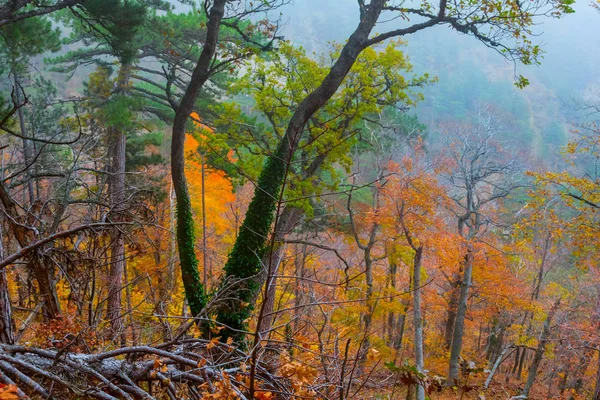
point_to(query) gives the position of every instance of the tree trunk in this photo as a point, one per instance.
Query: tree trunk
(194, 290)
(116, 188)
(417, 317)
(272, 260)
(205, 269)
(27, 145)
(451, 314)
(45, 279)
(461, 314)
(497, 363)
(7, 328)
(539, 352)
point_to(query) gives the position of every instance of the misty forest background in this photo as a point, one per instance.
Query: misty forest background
(273, 199)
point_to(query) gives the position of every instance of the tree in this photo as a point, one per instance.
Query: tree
(478, 179)
(579, 193)
(412, 197)
(492, 26)
(278, 83)
(114, 24)
(207, 65)
(18, 10)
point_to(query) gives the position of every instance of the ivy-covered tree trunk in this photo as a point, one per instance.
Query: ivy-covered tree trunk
(186, 240)
(244, 264)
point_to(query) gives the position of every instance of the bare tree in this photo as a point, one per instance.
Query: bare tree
(482, 175)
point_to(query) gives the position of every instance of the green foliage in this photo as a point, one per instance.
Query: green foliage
(278, 85)
(117, 22)
(137, 146)
(375, 88)
(24, 39)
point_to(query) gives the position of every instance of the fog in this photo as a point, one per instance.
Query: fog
(470, 73)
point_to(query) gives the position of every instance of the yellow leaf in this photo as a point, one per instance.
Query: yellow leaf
(213, 342)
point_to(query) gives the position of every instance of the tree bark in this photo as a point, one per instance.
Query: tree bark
(47, 287)
(27, 155)
(461, 314)
(417, 317)
(497, 363)
(451, 314)
(7, 328)
(194, 290)
(116, 188)
(272, 260)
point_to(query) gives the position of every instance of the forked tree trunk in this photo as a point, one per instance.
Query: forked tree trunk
(44, 276)
(243, 262)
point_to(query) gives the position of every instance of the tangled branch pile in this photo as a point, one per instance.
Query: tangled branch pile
(189, 368)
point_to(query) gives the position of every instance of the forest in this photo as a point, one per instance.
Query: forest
(299, 199)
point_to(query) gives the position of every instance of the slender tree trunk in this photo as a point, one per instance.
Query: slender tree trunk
(116, 188)
(299, 289)
(417, 317)
(367, 316)
(273, 264)
(7, 328)
(461, 314)
(27, 145)
(194, 290)
(539, 352)
(205, 269)
(496, 365)
(45, 279)
(272, 260)
(170, 278)
(451, 313)
(393, 268)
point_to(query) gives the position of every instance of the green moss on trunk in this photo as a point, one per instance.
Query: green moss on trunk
(244, 261)
(186, 240)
